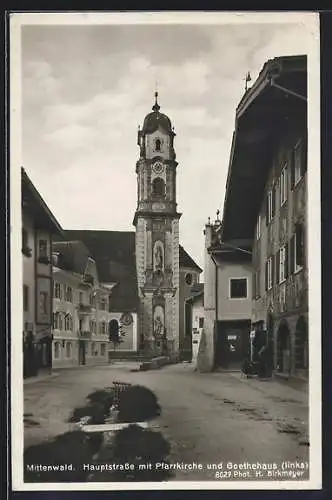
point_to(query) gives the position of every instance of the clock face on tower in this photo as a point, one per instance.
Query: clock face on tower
(158, 167)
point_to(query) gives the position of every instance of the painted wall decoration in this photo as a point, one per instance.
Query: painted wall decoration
(158, 256)
(158, 322)
(126, 319)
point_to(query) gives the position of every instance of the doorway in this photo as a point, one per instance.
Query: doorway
(284, 348)
(232, 343)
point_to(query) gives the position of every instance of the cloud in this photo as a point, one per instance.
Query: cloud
(86, 89)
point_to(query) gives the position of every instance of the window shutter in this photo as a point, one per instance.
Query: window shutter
(273, 269)
(304, 157)
(291, 254)
(254, 285)
(266, 276)
(274, 190)
(277, 266)
(267, 210)
(286, 260)
(292, 169)
(299, 245)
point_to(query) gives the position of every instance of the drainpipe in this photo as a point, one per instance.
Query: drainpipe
(216, 306)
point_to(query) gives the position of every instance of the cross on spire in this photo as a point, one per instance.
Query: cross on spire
(156, 106)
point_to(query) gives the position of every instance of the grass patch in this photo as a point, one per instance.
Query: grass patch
(137, 403)
(61, 459)
(142, 449)
(97, 408)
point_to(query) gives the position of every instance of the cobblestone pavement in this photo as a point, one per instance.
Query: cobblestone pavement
(207, 418)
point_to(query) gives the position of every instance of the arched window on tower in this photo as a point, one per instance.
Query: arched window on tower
(157, 145)
(158, 187)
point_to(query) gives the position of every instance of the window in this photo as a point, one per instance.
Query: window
(57, 321)
(102, 349)
(93, 326)
(157, 144)
(297, 162)
(270, 208)
(256, 284)
(68, 293)
(25, 298)
(103, 305)
(25, 238)
(269, 273)
(93, 348)
(189, 279)
(42, 249)
(158, 187)
(200, 322)
(297, 256)
(81, 298)
(68, 350)
(43, 302)
(57, 290)
(258, 227)
(81, 325)
(102, 327)
(282, 264)
(57, 349)
(68, 323)
(238, 288)
(283, 186)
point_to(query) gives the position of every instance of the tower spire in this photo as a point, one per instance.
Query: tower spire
(156, 106)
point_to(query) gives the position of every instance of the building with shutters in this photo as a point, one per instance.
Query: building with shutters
(266, 206)
(81, 306)
(39, 229)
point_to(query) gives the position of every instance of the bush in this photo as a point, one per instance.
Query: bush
(70, 448)
(136, 404)
(97, 410)
(139, 446)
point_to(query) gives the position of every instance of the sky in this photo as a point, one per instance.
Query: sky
(85, 90)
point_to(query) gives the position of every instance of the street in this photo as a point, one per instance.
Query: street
(207, 418)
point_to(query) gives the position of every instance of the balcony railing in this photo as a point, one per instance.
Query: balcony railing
(85, 334)
(84, 308)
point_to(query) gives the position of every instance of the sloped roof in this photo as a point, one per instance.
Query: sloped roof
(114, 253)
(33, 203)
(196, 292)
(186, 260)
(271, 108)
(73, 255)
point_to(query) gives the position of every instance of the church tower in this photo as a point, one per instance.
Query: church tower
(157, 235)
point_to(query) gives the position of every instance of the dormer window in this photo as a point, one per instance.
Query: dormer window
(157, 145)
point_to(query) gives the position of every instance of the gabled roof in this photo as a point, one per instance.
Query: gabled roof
(186, 261)
(196, 292)
(34, 204)
(73, 255)
(114, 254)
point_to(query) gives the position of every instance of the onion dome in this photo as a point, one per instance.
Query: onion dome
(155, 119)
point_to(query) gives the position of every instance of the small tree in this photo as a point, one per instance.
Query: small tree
(115, 333)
